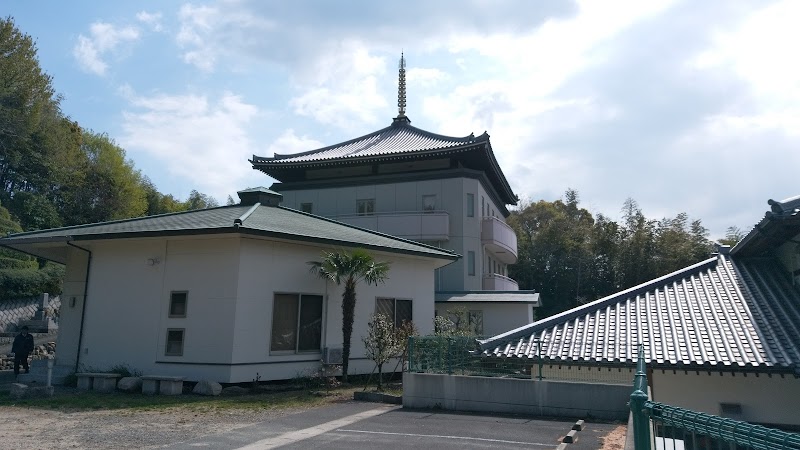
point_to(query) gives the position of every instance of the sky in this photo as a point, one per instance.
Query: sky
(683, 106)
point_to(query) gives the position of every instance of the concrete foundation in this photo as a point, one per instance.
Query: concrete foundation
(517, 396)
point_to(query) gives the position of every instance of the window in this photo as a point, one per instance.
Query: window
(296, 323)
(177, 304)
(397, 310)
(307, 207)
(174, 345)
(428, 202)
(365, 207)
(470, 263)
(475, 321)
(483, 206)
(470, 205)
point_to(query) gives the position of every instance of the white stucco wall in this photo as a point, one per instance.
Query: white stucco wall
(497, 317)
(231, 282)
(126, 321)
(72, 300)
(771, 400)
(268, 267)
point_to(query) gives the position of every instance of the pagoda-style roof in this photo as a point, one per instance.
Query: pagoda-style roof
(397, 142)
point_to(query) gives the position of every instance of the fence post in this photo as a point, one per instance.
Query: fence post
(449, 357)
(411, 353)
(641, 420)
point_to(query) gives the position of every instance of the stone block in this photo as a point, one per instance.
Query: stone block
(41, 391)
(84, 383)
(149, 386)
(103, 384)
(207, 387)
(170, 387)
(130, 384)
(571, 437)
(18, 390)
(578, 425)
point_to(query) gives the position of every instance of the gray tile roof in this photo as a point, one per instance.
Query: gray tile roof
(487, 296)
(394, 139)
(270, 221)
(722, 313)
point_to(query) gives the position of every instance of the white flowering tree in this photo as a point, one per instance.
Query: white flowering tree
(381, 343)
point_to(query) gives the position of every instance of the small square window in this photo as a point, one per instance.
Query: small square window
(428, 203)
(397, 310)
(177, 304)
(307, 207)
(365, 207)
(470, 263)
(174, 342)
(470, 205)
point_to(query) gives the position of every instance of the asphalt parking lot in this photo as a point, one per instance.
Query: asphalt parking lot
(369, 425)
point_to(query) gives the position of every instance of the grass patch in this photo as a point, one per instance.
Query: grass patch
(73, 401)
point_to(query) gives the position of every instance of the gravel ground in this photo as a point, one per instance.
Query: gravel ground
(31, 428)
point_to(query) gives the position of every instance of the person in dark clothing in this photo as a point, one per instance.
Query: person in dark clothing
(22, 347)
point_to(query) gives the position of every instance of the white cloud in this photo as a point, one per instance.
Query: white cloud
(208, 32)
(426, 77)
(289, 143)
(342, 89)
(103, 38)
(151, 19)
(202, 140)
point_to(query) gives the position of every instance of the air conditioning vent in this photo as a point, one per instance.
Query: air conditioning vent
(332, 355)
(731, 410)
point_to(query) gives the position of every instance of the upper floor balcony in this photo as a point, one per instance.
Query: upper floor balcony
(497, 282)
(499, 239)
(413, 225)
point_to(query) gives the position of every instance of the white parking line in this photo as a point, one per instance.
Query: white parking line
(466, 438)
(306, 433)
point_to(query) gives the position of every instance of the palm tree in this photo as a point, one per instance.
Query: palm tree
(351, 267)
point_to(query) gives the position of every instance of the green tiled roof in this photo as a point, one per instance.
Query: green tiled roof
(261, 220)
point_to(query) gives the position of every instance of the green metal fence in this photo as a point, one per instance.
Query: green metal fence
(461, 355)
(660, 426)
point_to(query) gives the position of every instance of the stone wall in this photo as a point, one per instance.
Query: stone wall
(41, 351)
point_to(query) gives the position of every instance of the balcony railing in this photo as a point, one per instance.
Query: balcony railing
(497, 282)
(499, 239)
(414, 225)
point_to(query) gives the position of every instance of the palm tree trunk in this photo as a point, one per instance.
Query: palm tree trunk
(348, 317)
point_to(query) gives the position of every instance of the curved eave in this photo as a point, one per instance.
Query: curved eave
(275, 168)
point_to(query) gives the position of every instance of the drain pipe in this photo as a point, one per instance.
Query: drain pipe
(83, 306)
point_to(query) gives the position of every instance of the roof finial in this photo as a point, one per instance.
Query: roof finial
(401, 88)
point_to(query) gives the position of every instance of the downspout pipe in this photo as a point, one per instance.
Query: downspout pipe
(83, 305)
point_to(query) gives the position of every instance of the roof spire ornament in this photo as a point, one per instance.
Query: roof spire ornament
(401, 88)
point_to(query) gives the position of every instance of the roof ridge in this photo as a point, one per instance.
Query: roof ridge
(394, 126)
(599, 303)
(130, 219)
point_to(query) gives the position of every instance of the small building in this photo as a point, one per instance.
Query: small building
(445, 191)
(721, 336)
(223, 293)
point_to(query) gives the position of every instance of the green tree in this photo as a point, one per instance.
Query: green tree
(350, 268)
(197, 200)
(110, 187)
(732, 236)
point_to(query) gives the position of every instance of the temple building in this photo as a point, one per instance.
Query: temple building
(444, 191)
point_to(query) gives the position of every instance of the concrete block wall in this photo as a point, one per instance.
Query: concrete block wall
(574, 400)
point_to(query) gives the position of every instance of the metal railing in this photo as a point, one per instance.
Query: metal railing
(461, 355)
(660, 426)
